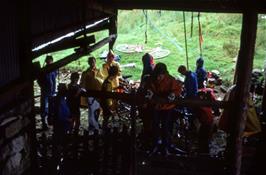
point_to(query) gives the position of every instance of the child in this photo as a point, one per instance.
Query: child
(62, 120)
(108, 104)
(73, 100)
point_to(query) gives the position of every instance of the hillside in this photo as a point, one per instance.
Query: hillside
(165, 29)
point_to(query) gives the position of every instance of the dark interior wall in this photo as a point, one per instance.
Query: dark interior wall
(52, 19)
(25, 24)
(16, 134)
(16, 116)
(9, 45)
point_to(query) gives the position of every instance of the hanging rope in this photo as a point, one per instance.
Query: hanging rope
(185, 32)
(191, 30)
(146, 27)
(169, 38)
(200, 35)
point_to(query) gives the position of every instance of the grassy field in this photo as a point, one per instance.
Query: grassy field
(221, 37)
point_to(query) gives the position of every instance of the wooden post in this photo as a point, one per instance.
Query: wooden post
(26, 72)
(263, 104)
(113, 30)
(133, 138)
(239, 107)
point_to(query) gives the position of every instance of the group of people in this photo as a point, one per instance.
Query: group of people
(62, 109)
(157, 83)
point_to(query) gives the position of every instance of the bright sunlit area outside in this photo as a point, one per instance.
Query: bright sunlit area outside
(162, 34)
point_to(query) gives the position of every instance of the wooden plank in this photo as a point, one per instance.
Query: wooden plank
(226, 6)
(101, 7)
(64, 44)
(78, 54)
(239, 106)
(24, 91)
(113, 30)
(133, 114)
(103, 25)
(263, 104)
(46, 36)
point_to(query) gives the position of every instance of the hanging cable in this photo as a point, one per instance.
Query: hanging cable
(200, 35)
(191, 30)
(185, 32)
(146, 26)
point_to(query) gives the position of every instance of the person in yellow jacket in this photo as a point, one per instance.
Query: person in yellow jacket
(252, 125)
(91, 79)
(106, 66)
(108, 104)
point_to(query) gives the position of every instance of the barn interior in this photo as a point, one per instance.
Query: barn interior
(34, 28)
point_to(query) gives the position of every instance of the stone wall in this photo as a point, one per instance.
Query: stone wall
(15, 140)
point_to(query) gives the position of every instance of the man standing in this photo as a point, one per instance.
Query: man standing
(106, 66)
(190, 82)
(47, 83)
(91, 79)
(201, 72)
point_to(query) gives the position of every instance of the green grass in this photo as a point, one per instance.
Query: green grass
(221, 34)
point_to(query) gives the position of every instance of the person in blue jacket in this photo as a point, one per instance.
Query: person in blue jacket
(190, 82)
(47, 83)
(201, 72)
(62, 121)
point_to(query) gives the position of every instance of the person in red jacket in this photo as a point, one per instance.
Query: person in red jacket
(205, 116)
(162, 86)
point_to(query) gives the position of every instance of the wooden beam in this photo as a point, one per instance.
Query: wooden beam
(226, 6)
(133, 144)
(135, 99)
(79, 53)
(24, 91)
(113, 30)
(103, 25)
(64, 44)
(263, 104)
(101, 7)
(239, 106)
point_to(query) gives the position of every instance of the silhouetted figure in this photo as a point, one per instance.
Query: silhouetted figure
(62, 114)
(148, 65)
(146, 110)
(73, 100)
(201, 73)
(47, 83)
(166, 87)
(190, 82)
